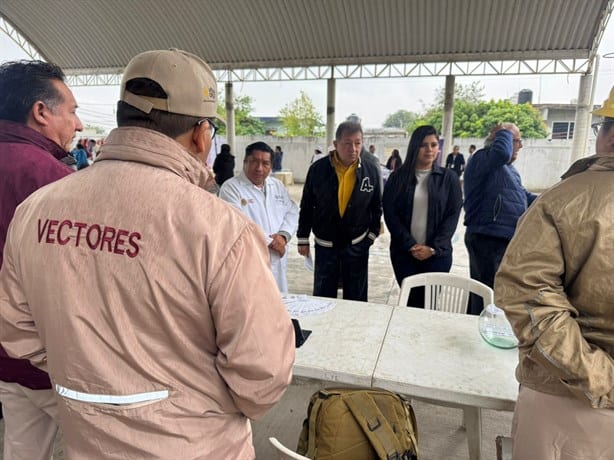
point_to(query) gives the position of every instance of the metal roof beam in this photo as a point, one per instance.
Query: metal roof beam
(19, 40)
(423, 69)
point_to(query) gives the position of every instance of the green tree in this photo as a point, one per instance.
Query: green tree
(300, 118)
(245, 123)
(97, 129)
(400, 119)
(472, 93)
(474, 117)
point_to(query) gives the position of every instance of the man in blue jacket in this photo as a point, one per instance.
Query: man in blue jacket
(494, 201)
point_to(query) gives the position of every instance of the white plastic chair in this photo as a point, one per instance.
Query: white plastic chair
(445, 291)
(283, 453)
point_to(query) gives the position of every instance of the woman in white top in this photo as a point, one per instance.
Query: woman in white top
(422, 203)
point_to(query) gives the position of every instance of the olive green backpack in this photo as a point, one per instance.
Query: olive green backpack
(359, 424)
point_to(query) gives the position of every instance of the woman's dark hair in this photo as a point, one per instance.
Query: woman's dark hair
(408, 168)
(396, 154)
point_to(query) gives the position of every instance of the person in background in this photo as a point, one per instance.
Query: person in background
(266, 201)
(317, 154)
(80, 156)
(38, 122)
(472, 150)
(494, 201)
(395, 161)
(224, 165)
(456, 161)
(91, 149)
(341, 204)
(372, 151)
(555, 285)
(278, 157)
(422, 203)
(154, 310)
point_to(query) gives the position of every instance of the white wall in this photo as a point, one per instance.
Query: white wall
(540, 162)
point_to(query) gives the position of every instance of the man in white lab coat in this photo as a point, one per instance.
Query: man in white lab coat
(266, 201)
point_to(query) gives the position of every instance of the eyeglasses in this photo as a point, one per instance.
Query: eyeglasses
(212, 126)
(519, 141)
(597, 126)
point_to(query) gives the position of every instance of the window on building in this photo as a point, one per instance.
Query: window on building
(562, 130)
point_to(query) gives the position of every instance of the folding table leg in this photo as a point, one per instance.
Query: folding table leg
(473, 425)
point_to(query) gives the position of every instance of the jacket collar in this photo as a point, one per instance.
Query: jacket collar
(152, 148)
(243, 178)
(601, 162)
(437, 169)
(18, 133)
(332, 154)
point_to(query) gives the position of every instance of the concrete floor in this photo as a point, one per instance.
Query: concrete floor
(441, 436)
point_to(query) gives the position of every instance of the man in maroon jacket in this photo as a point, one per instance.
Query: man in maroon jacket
(38, 122)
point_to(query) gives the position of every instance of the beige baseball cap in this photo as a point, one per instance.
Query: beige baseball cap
(187, 80)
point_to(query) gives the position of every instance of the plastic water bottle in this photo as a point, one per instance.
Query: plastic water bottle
(495, 328)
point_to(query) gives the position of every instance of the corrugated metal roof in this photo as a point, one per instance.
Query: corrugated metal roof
(89, 36)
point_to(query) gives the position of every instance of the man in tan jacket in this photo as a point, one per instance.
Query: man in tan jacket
(556, 286)
(152, 307)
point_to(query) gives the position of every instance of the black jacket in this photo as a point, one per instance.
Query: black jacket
(456, 163)
(445, 202)
(223, 167)
(320, 204)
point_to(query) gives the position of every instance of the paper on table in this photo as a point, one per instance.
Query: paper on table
(301, 305)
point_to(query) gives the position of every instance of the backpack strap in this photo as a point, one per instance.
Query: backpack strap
(374, 424)
(409, 414)
(313, 415)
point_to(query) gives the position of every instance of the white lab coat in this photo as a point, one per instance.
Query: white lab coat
(271, 208)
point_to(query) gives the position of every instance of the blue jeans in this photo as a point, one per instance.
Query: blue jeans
(485, 254)
(349, 264)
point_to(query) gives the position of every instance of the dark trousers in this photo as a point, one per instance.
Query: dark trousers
(404, 264)
(485, 254)
(349, 264)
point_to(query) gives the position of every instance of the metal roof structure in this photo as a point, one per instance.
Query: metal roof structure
(258, 40)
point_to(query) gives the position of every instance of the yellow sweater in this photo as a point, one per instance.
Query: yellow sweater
(347, 179)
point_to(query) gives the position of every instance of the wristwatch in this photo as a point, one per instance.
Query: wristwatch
(433, 252)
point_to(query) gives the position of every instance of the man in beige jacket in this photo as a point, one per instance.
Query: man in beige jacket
(152, 307)
(555, 284)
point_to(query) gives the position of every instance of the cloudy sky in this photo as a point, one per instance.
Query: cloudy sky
(371, 99)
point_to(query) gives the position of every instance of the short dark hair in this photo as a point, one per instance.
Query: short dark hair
(260, 146)
(170, 124)
(23, 83)
(347, 127)
(225, 148)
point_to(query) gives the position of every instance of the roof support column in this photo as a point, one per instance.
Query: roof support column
(448, 117)
(230, 116)
(583, 116)
(330, 112)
